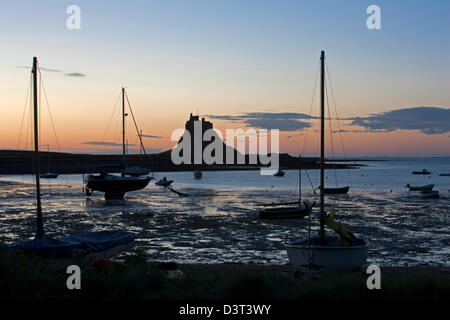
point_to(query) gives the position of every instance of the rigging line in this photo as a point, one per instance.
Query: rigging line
(135, 124)
(112, 116)
(337, 121)
(310, 107)
(23, 114)
(331, 134)
(49, 110)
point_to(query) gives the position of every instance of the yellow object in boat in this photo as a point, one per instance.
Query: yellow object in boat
(344, 235)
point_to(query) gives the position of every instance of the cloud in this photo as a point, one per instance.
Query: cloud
(104, 143)
(75, 74)
(43, 69)
(428, 120)
(150, 136)
(71, 74)
(284, 121)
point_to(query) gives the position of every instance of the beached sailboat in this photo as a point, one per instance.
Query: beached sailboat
(328, 253)
(424, 171)
(289, 210)
(427, 187)
(48, 174)
(104, 244)
(115, 186)
(198, 174)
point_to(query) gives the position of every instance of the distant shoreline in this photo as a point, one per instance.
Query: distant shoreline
(21, 162)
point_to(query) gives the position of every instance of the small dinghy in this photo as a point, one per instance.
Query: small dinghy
(427, 187)
(102, 244)
(430, 194)
(342, 190)
(424, 171)
(164, 182)
(321, 252)
(334, 255)
(287, 212)
(444, 175)
(198, 174)
(49, 175)
(279, 173)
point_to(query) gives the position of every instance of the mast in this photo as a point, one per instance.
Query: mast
(322, 147)
(123, 127)
(300, 182)
(40, 225)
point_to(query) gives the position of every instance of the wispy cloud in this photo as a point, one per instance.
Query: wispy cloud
(75, 74)
(284, 121)
(428, 120)
(105, 143)
(70, 74)
(150, 136)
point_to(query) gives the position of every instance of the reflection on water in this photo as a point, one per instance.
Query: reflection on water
(220, 225)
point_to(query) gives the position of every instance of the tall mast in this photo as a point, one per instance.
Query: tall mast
(322, 147)
(300, 182)
(123, 126)
(40, 225)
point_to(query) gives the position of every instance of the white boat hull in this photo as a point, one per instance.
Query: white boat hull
(329, 257)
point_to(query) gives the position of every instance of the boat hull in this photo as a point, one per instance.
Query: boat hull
(428, 187)
(48, 175)
(283, 212)
(333, 256)
(342, 190)
(116, 188)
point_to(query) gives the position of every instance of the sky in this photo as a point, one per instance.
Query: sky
(241, 64)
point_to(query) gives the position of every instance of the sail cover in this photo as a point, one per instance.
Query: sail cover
(68, 246)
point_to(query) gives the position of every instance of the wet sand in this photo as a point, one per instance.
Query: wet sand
(221, 226)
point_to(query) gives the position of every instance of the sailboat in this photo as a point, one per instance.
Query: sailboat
(115, 186)
(104, 244)
(287, 210)
(48, 174)
(328, 253)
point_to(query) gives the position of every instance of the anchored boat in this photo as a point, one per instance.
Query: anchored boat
(322, 252)
(103, 244)
(115, 186)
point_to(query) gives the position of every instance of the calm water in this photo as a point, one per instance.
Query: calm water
(217, 221)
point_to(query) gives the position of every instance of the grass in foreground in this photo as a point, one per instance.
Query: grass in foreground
(24, 277)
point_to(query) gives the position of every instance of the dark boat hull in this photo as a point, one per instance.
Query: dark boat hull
(116, 188)
(421, 172)
(283, 213)
(428, 187)
(342, 190)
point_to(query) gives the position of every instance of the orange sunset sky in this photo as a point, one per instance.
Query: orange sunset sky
(241, 65)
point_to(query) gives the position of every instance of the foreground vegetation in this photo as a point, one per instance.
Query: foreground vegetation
(24, 277)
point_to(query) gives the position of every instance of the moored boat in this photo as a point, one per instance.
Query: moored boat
(115, 186)
(327, 253)
(424, 171)
(420, 188)
(198, 174)
(341, 190)
(164, 182)
(286, 212)
(104, 244)
(279, 173)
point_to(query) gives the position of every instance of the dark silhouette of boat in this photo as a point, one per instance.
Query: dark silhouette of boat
(424, 171)
(444, 175)
(340, 190)
(49, 175)
(427, 187)
(115, 186)
(284, 212)
(164, 182)
(279, 173)
(103, 244)
(198, 174)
